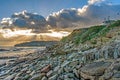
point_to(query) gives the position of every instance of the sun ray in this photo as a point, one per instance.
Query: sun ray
(7, 33)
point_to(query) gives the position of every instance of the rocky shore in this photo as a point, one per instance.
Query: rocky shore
(96, 59)
(42, 65)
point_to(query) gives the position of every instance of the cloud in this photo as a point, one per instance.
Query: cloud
(95, 12)
(10, 38)
(25, 20)
(63, 18)
(92, 14)
(91, 2)
(6, 21)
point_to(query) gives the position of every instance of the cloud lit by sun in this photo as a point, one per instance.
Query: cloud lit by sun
(58, 34)
(7, 33)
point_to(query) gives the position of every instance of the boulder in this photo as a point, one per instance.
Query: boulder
(106, 76)
(10, 77)
(76, 73)
(94, 69)
(46, 69)
(38, 76)
(56, 68)
(44, 78)
(54, 77)
(49, 73)
(116, 75)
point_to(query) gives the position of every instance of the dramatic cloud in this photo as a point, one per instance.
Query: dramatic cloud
(25, 20)
(92, 14)
(10, 38)
(24, 26)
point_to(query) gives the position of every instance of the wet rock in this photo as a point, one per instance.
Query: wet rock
(44, 78)
(35, 77)
(106, 76)
(72, 56)
(28, 72)
(54, 77)
(68, 78)
(32, 73)
(61, 70)
(86, 77)
(17, 78)
(76, 73)
(74, 63)
(65, 63)
(24, 69)
(27, 77)
(10, 77)
(96, 68)
(67, 69)
(4, 72)
(21, 60)
(79, 66)
(15, 68)
(18, 74)
(38, 76)
(69, 75)
(116, 75)
(115, 79)
(90, 71)
(49, 73)
(46, 69)
(116, 67)
(60, 77)
(56, 68)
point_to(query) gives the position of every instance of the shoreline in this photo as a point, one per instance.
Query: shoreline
(10, 54)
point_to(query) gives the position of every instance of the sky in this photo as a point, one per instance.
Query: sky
(54, 18)
(42, 7)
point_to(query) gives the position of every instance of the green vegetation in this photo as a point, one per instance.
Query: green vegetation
(86, 34)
